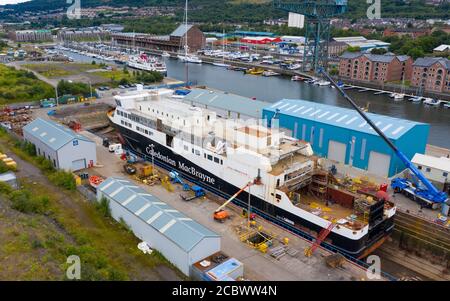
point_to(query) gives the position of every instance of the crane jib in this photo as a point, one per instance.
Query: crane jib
(433, 193)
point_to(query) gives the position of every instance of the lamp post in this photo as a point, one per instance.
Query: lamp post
(153, 161)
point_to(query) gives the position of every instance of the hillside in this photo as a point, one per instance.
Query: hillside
(250, 10)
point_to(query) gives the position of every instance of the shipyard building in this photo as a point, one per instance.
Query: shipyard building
(65, 148)
(341, 134)
(180, 239)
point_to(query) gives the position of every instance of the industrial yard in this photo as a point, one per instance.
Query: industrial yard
(210, 146)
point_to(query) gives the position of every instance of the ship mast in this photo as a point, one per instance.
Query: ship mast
(186, 64)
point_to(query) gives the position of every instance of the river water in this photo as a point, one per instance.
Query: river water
(273, 89)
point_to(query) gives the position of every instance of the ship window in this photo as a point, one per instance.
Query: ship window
(210, 157)
(140, 108)
(445, 174)
(153, 110)
(197, 152)
(121, 122)
(138, 129)
(221, 162)
(278, 196)
(428, 169)
(186, 148)
(217, 160)
(204, 155)
(146, 131)
(419, 167)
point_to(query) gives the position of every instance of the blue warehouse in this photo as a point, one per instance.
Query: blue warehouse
(342, 135)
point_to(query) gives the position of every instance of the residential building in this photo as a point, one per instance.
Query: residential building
(335, 49)
(431, 74)
(412, 32)
(375, 68)
(41, 35)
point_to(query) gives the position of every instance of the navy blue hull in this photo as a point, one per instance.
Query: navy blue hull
(164, 157)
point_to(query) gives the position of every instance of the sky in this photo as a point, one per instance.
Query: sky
(3, 2)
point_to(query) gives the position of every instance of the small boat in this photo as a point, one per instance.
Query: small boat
(297, 78)
(294, 67)
(447, 105)
(165, 54)
(432, 102)
(311, 81)
(255, 71)
(416, 99)
(95, 181)
(270, 73)
(322, 83)
(398, 96)
(190, 59)
(221, 65)
(235, 68)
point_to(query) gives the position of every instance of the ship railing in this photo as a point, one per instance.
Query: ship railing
(272, 219)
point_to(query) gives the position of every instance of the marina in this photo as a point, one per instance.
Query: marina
(273, 88)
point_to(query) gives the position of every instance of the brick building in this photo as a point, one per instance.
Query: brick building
(375, 68)
(173, 42)
(335, 49)
(431, 74)
(412, 32)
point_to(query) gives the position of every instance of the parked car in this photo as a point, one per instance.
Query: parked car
(129, 169)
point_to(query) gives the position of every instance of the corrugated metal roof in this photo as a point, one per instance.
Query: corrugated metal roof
(173, 224)
(181, 30)
(52, 134)
(393, 128)
(226, 101)
(433, 162)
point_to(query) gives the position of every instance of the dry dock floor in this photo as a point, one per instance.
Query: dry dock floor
(258, 266)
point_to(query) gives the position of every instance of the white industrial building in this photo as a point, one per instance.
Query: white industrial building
(63, 147)
(434, 168)
(180, 239)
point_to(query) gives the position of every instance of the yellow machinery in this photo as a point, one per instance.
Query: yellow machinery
(165, 182)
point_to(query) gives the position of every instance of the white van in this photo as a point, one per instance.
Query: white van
(115, 147)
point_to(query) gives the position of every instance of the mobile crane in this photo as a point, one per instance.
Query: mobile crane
(419, 188)
(221, 214)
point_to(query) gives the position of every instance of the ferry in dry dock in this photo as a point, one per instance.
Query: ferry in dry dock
(224, 155)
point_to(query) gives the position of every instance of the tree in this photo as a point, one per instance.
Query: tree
(354, 49)
(378, 51)
(94, 62)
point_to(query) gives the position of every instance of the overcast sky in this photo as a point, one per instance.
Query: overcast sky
(3, 2)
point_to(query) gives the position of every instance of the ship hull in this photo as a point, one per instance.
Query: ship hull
(169, 160)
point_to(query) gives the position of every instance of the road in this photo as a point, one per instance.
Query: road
(18, 65)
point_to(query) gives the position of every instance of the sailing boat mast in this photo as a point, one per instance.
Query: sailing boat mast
(185, 42)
